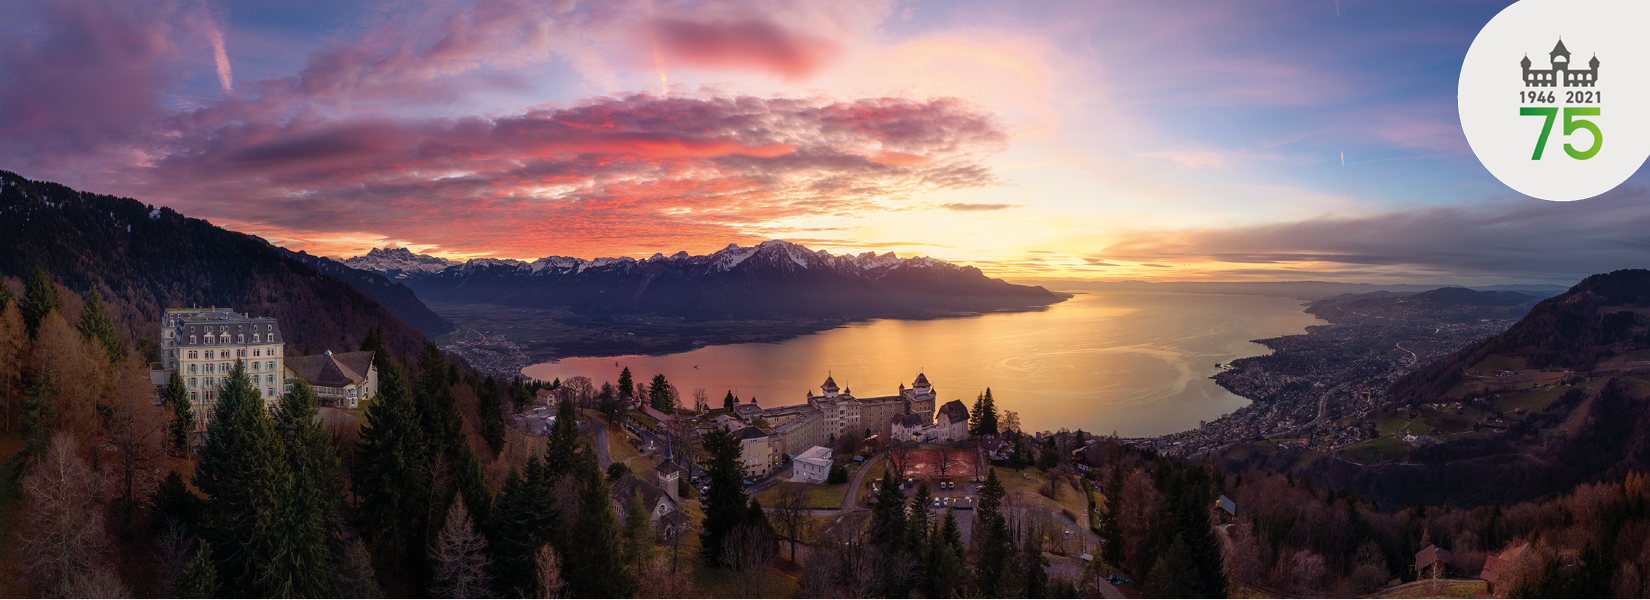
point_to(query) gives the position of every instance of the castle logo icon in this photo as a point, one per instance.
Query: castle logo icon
(1561, 73)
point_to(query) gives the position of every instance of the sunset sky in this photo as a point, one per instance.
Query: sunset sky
(1107, 140)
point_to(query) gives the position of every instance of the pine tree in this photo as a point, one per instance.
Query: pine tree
(729, 401)
(1111, 531)
(988, 416)
(1049, 458)
(492, 414)
(562, 444)
(39, 420)
(725, 503)
(627, 385)
(946, 569)
(302, 557)
(659, 395)
(520, 397)
(182, 425)
(598, 568)
(919, 523)
(975, 415)
(242, 472)
(95, 326)
(523, 520)
(638, 534)
(375, 342)
(996, 542)
(39, 299)
(888, 517)
(200, 578)
(1035, 569)
(389, 473)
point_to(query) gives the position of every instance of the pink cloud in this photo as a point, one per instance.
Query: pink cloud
(755, 44)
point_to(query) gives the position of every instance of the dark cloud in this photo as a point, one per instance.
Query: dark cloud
(961, 206)
(1517, 240)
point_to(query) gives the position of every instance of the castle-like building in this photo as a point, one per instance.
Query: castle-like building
(1561, 73)
(774, 433)
(202, 345)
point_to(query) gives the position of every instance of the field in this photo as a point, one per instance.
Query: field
(924, 463)
(814, 495)
(1443, 588)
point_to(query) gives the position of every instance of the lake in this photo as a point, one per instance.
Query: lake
(1138, 363)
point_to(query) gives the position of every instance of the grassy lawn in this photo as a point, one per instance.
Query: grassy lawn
(1023, 488)
(1531, 400)
(1378, 450)
(814, 495)
(1499, 362)
(1443, 588)
(874, 474)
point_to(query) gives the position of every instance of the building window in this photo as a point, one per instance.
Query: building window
(208, 355)
(271, 365)
(209, 384)
(242, 338)
(192, 382)
(272, 391)
(194, 396)
(256, 351)
(192, 340)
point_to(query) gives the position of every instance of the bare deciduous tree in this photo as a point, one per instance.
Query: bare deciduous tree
(137, 429)
(355, 576)
(580, 390)
(746, 552)
(460, 557)
(899, 454)
(63, 541)
(701, 400)
(547, 573)
(790, 512)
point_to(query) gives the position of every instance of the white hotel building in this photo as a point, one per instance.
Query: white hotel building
(202, 345)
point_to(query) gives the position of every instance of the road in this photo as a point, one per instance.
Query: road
(850, 500)
(602, 457)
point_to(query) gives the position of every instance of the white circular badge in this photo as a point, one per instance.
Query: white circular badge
(1555, 96)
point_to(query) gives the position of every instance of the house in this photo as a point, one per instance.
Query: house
(654, 499)
(341, 380)
(1227, 505)
(1499, 569)
(949, 425)
(812, 466)
(1433, 562)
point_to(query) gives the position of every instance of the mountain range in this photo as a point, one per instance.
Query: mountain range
(773, 279)
(145, 259)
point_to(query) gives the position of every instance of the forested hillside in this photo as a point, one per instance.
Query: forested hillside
(144, 259)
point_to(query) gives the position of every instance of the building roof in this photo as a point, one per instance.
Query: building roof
(332, 370)
(629, 486)
(922, 381)
(829, 385)
(750, 433)
(668, 467)
(816, 452)
(1560, 49)
(1228, 505)
(911, 420)
(956, 411)
(1496, 563)
(1432, 554)
(653, 412)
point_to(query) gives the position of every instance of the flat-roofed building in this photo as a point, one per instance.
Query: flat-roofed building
(203, 344)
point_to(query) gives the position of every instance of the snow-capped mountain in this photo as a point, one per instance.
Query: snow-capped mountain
(398, 263)
(771, 279)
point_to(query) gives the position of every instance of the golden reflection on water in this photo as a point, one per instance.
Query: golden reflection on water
(1137, 363)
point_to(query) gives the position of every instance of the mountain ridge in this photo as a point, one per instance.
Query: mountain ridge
(146, 258)
(772, 279)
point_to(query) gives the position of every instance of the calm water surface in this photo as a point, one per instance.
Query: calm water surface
(1137, 363)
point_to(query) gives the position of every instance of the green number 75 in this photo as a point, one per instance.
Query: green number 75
(1571, 124)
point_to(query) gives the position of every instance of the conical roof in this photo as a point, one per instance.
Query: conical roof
(922, 381)
(830, 384)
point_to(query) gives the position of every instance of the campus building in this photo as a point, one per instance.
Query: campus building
(203, 344)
